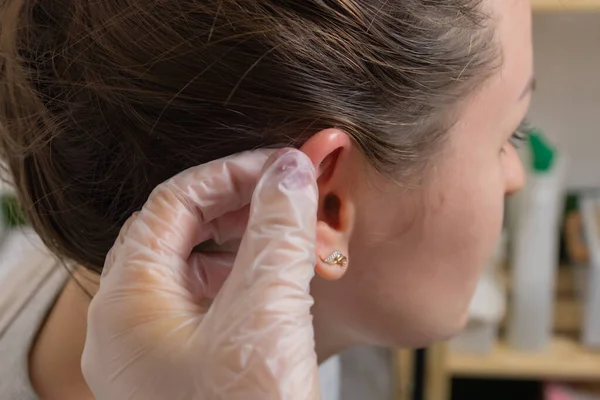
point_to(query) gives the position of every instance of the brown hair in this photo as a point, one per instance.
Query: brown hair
(100, 101)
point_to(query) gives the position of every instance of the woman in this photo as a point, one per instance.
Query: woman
(408, 108)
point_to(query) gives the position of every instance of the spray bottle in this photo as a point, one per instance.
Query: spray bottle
(535, 247)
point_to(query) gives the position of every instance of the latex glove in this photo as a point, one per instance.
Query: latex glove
(151, 334)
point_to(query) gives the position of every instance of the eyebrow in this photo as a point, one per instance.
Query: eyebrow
(529, 88)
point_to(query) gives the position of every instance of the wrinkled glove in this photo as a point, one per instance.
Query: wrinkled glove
(171, 323)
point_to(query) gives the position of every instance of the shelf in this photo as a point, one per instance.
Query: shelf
(565, 359)
(566, 5)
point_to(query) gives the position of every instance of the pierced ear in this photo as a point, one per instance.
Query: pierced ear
(331, 150)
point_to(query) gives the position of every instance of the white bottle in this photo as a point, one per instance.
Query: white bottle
(535, 249)
(590, 329)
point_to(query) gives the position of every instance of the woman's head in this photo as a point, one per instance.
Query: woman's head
(403, 104)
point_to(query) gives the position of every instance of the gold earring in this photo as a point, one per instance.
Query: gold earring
(336, 258)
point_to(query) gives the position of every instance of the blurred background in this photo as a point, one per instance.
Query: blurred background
(534, 329)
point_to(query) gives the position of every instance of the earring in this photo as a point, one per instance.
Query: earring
(336, 258)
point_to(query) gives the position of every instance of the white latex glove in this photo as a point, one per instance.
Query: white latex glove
(151, 333)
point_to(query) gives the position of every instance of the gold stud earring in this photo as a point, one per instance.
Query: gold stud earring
(336, 258)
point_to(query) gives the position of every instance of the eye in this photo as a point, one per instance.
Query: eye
(521, 134)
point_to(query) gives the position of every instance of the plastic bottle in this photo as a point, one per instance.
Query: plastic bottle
(590, 329)
(535, 248)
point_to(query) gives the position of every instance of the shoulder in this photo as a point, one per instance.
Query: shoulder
(30, 276)
(30, 280)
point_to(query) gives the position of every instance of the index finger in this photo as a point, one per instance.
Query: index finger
(179, 212)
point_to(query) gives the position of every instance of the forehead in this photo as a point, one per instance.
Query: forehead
(512, 21)
(513, 26)
(497, 105)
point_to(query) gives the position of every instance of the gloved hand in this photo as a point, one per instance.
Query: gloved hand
(153, 333)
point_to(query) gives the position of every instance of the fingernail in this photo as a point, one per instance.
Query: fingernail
(297, 172)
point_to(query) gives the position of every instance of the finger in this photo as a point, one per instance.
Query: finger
(281, 229)
(180, 212)
(110, 257)
(230, 226)
(266, 296)
(199, 195)
(208, 272)
(277, 252)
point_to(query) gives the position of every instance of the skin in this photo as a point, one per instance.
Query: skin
(415, 255)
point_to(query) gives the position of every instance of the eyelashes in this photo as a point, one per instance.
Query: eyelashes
(521, 134)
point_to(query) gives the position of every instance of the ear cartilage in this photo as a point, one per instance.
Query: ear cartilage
(336, 258)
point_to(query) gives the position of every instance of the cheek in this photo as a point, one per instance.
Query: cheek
(466, 232)
(459, 229)
(456, 238)
(416, 257)
(462, 234)
(416, 274)
(467, 225)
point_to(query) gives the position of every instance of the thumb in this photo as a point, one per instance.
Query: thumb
(266, 297)
(277, 251)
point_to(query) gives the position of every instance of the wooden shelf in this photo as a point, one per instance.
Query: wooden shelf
(565, 359)
(566, 5)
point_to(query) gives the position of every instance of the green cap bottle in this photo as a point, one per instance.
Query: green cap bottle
(543, 154)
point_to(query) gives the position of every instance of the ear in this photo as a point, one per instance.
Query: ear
(330, 151)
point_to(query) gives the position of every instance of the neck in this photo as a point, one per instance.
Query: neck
(55, 357)
(326, 349)
(329, 340)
